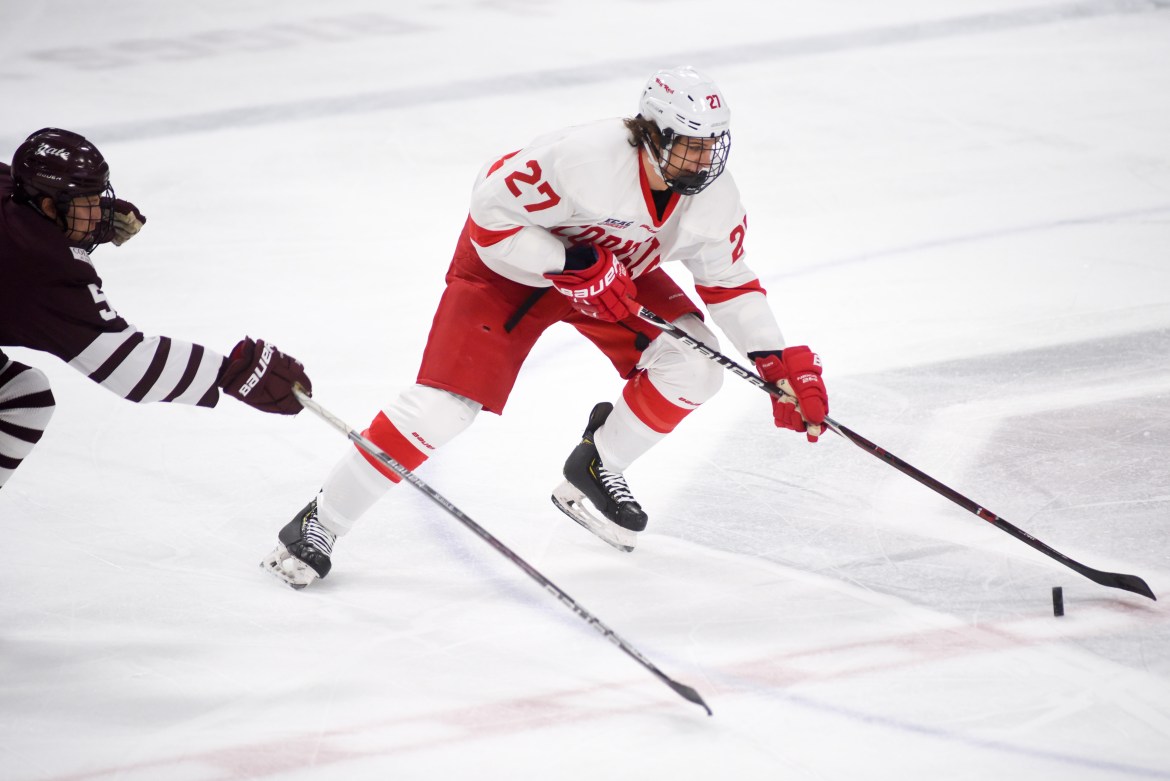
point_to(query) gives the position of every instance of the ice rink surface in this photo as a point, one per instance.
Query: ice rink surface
(962, 205)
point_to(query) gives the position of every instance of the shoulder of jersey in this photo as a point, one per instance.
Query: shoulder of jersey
(600, 143)
(715, 210)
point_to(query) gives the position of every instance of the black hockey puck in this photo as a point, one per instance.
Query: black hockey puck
(1057, 601)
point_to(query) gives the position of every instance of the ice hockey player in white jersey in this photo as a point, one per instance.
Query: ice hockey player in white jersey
(574, 227)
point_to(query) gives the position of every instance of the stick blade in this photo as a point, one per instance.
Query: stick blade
(1119, 580)
(687, 693)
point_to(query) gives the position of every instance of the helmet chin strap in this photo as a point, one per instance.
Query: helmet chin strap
(656, 158)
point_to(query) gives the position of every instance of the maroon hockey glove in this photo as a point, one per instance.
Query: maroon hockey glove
(122, 225)
(262, 376)
(797, 370)
(603, 289)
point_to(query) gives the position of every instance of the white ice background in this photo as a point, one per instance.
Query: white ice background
(962, 205)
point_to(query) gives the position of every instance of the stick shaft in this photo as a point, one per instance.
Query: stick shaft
(374, 451)
(1110, 579)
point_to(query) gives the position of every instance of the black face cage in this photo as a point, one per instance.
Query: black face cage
(103, 231)
(692, 183)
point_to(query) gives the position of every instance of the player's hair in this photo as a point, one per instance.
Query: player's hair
(641, 130)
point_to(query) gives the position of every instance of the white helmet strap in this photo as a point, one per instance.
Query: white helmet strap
(657, 156)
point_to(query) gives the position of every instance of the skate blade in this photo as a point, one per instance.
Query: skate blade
(572, 503)
(288, 569)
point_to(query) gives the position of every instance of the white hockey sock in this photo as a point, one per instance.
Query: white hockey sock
(353, 486)
(624, 438)
(426, 418)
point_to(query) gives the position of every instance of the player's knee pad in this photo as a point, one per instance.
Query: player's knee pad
(431, 417)
(682, 374)
(672, 383)
(421, 420)
(26, 406)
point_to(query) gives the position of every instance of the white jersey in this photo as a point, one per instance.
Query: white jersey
(587, 185)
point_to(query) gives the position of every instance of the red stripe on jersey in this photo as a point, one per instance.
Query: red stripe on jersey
(717, 295)
(496, 165)
(651, 407)
(386, 435)
(648, 197)
(485, 237)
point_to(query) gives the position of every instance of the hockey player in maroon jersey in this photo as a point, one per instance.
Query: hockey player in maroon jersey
(589, 213)
(56, 206)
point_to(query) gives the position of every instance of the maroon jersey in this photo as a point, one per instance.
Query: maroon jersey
(51, 300)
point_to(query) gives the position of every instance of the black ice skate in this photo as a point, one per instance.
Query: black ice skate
(586, 478)
(303, 553)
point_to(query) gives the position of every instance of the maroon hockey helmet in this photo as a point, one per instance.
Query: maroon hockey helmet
(61, 165)
(56, 162)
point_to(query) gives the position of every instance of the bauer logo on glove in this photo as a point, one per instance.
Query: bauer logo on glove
(261, 376)
(596, 283)
(257, 373)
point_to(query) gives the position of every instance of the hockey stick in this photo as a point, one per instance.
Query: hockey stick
(1111, 579)
(686, 692)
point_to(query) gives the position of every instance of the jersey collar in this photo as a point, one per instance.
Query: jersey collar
(648, 197)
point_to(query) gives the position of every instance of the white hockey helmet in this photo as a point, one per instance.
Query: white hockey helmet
(683, 102)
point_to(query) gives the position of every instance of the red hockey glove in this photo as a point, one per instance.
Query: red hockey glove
(124, 224)
(797, 370)
(603, 290)
(262, 376)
